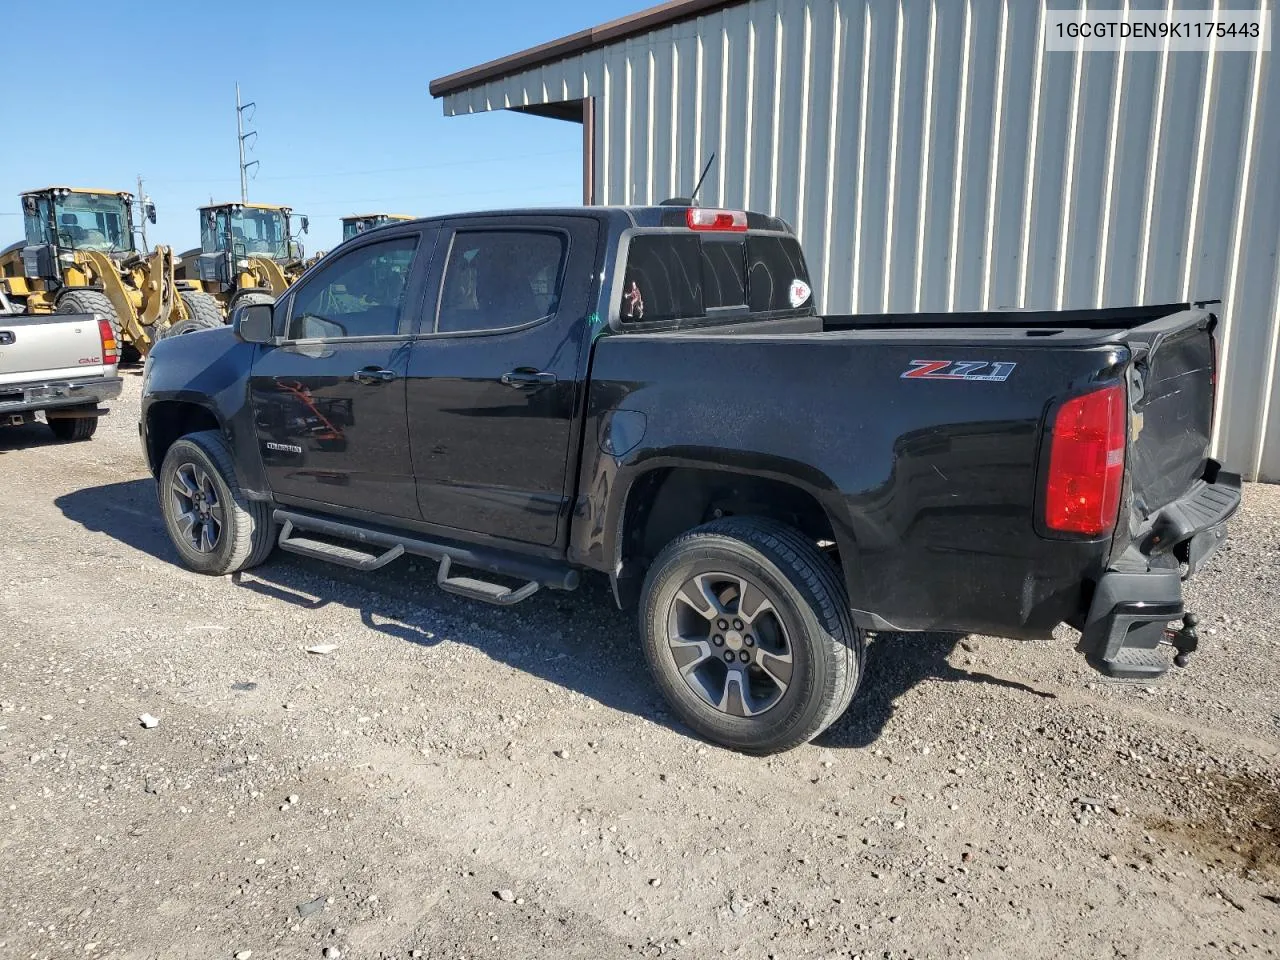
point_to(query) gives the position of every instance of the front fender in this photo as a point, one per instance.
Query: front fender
(210, 370)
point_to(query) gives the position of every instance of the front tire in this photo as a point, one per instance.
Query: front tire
(214, 527)
(747, 630)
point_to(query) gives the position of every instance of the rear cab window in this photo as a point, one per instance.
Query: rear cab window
(673, 276)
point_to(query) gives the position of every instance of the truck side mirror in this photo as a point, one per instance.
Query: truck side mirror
(254, 322)
(306, 224)
(151, 212)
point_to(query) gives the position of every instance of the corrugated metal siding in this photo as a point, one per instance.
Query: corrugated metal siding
(933, 157)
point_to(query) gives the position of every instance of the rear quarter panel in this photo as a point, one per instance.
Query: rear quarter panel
(930, 485)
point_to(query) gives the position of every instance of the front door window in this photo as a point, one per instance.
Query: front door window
(359, 295)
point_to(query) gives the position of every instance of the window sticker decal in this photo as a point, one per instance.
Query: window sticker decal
(799, 293)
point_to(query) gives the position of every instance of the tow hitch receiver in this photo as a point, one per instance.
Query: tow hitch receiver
(1186, 640)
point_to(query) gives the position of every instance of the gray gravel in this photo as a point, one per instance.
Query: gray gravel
(463, 781)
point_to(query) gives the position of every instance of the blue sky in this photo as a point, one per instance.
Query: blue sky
(345, 122)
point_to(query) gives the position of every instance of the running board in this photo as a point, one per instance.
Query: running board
(395, 543)
(343, 556)
(483, 590)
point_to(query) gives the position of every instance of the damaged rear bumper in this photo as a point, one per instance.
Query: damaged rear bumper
(1128, 617)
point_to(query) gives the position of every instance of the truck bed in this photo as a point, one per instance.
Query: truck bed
(924, 436)
(1024, 327)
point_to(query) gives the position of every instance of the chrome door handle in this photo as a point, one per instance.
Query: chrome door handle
(528, 378)
(373, 375)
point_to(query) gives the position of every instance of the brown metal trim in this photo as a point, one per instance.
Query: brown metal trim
(570, 110)
(588, 151)
(664, 14)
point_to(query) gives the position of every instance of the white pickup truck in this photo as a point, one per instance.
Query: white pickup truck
(61, 364)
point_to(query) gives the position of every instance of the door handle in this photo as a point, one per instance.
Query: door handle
(6, 338)
(523, 379)
(373, 375)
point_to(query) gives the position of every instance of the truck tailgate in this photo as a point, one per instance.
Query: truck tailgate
(1171, 395)
(54, 346)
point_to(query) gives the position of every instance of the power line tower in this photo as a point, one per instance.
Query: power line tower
(141, 209)
(240, 121)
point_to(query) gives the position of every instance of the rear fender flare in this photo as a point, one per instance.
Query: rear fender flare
(802, 477)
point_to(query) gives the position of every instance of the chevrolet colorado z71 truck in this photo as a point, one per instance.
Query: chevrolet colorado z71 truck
(61, 364)
(649, 393)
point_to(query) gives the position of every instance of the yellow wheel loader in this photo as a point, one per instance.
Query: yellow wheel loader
(358, 223)
(79, 256)
(247, 254)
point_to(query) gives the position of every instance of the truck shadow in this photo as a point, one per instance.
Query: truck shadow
(25, 437)
(581, 641)
(897, 663)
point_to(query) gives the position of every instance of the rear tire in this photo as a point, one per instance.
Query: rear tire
(71, 430)
(247, 299)
(91, 301)
(94, 301)
(205, 314)
(203, 306)
(764, 655)
(215, 528)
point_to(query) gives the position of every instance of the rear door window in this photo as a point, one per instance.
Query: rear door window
(497, 279)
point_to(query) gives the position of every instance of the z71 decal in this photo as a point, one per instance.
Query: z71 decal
(988, 370)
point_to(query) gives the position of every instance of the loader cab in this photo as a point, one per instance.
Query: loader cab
(61, 221)
(246, 230)
(358, 223)
(245, 247)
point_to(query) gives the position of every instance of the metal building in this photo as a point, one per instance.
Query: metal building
(933, 156)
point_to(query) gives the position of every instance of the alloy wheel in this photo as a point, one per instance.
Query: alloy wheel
(729, 643)
(197, 507)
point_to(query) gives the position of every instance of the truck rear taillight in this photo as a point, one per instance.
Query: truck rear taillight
(1086, 463)
(701, 218)
(110, 349)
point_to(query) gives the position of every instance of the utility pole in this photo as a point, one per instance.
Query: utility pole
(244, 167)
(142, 215)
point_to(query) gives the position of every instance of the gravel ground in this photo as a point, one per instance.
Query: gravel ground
(459, 781)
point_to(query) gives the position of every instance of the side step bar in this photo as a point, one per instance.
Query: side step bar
(393, 544)
(343, 556)
(482, 589)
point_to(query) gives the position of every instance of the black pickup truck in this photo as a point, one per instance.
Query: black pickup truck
(649, 393)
